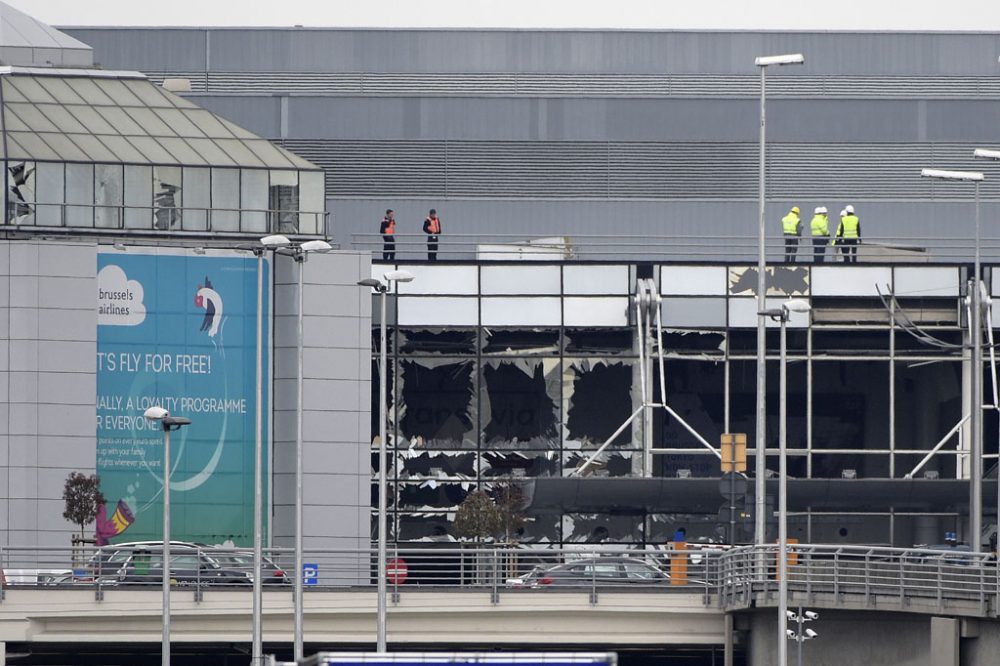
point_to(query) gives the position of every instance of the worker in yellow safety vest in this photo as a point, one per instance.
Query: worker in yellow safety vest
(791, 227)
(849, 235)
(820, 227)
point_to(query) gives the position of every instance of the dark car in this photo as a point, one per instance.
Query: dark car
(242, 560)
(603, 571)
(142, 563)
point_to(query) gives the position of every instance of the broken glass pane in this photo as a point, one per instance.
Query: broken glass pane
(707, 342)
(597, 399)
(519, 403)
(607, 463)
(418, 464)
(437, 341)
(603, 341)
(599, 528)
(522, 342)
(437, 406)
(431, 494)
(529, 464)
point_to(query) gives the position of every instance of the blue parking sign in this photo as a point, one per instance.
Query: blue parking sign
(310, 574)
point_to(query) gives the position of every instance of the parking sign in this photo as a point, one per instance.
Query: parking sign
(310, 574)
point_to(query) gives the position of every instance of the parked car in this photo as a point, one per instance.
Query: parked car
(140, 563)
(603, 571)
(271, 573)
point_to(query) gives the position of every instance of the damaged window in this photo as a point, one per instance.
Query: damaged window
(527, 464)
(520, 341)
(604, 341)
(597, 395)
(437, 403)
(709, 342)
(601, 528)
(419, 464)
(606, 463)
(437, 341)
(431, 494)
(519, 403)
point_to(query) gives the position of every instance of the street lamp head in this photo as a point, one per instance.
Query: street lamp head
(316, 246)
(952, 175)
(796, 305)
(156, 413)
(175, 422)
(399, 276)
(985, 154)
(787, 59)
(276, 240)
(377, 285)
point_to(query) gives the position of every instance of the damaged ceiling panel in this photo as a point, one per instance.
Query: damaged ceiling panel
(784, 281)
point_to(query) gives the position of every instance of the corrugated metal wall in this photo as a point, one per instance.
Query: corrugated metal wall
(592, 132)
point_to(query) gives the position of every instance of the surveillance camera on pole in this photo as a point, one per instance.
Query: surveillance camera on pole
(810, 615)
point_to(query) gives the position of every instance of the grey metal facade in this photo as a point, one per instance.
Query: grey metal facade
(600, 132)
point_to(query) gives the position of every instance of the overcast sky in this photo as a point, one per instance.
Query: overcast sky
(663, 14)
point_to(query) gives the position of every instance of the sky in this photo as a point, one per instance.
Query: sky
(977, 15)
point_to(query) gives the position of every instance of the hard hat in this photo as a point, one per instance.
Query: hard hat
(850, 209)
(795, 209)
(820, 209)
(843, 212)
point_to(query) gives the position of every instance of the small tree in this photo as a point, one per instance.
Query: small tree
(477, 517)
(510, 500)
(83, 496)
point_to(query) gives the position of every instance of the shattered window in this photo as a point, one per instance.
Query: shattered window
(598, 528)
(437, 407)
(437, 341)
(598, 398)
(522, 342)
(520, 403)
(603, 341)
(696, 394)
(523, 463)
(687, 341)
(432, 495)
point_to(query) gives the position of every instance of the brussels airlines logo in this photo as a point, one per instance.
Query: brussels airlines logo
(210, 300)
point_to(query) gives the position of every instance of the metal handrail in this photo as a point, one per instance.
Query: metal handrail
(724, 576)
(680, 247)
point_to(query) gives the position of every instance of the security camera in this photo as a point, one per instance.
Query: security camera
(811, 615)
(790, 633)
(810, 634)
(791, 615)
(156, 413)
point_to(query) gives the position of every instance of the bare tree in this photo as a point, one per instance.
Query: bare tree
(510, 500)
(83, 496)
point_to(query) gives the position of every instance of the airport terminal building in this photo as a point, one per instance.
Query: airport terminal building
(597, 272)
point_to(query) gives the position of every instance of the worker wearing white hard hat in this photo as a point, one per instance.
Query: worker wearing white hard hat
(849, 235)
(820, 227)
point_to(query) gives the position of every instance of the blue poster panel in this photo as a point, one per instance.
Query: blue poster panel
(179, 331)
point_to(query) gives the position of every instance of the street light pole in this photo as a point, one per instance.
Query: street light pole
(167, 423)
(783, 314)
(300, 254)
(760, 500)
(975, 340)
(382, 288)
(257, 651)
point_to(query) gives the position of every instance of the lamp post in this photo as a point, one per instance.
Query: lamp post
(257, 653)
(985, 154)
(760, 503)
(975, 333)
(382, 288)
(300, 253)
(783, 314)
(168, 423)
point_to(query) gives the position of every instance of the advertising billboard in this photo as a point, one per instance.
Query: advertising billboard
(179, 330)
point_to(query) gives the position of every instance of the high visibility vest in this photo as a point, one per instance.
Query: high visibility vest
(390, 226)
(433, 226)
(790, 224)
(849, 226)
(819, 225)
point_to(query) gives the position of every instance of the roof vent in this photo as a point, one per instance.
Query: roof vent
(177, 85)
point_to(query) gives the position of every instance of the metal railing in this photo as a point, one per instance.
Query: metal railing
(598, 247)
(159, 219)
(723, 576)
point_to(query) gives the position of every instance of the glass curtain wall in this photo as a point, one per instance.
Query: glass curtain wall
(473, 407)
